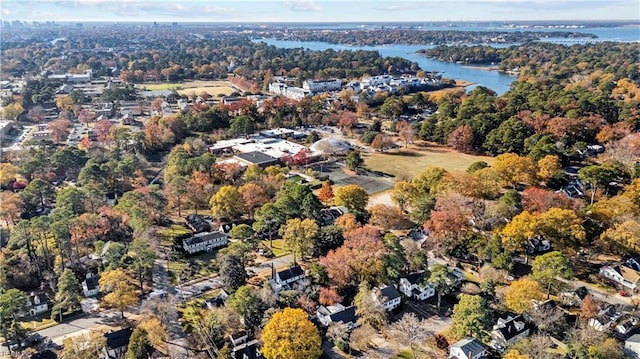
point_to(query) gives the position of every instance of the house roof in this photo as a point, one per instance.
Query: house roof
(256, 158)
(416, 278)
(633, 339)
(348, 315)
(38, 298)
(203, 237)
(292, 272)
(118, 339)
(92, 282)
(513, 327)
(581, 292)
(469, 345)
(629, 273)
(390, 292)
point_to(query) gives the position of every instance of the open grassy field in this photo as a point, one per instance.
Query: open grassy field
(213, 88)
(406, 163)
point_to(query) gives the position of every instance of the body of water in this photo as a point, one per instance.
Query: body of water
(497, 81)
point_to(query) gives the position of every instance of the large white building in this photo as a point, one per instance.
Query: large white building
(318, 86)
(76, 78)
(295, 93)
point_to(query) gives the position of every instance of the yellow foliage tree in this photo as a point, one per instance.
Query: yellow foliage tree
(515, 169)
(8, 173)
(632, 191)
(157, 333)
(625, 235)
(519, 294)
(353, 197)
(548, 166)
(121, 294)
(561, 226)
(515, 354)
(515, 233)
(298, 235)
(290, 334)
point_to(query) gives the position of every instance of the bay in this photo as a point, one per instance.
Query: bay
(497, 81)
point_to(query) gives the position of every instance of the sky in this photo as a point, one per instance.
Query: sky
(317, 10)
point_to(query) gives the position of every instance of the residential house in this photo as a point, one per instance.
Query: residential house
(38, 303)
(388, 297)
(217, 301)
(626, 326)
(116, 344)
(622, 275)
(242, 347)
(574, 298)
(337, 313)
(284, 280)
(537, 245)
(90, 285)
(468, 348)
(509, 330)
(632, 346)
(605, 319)
(205, 242)
(414, 286)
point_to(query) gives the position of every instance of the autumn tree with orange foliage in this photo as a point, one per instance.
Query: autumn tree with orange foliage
(329, 296)
(461, 139)
(360, 258)
(326, 194)
(538, 200)
(58, 129)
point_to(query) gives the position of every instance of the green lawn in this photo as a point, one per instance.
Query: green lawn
(279, 248)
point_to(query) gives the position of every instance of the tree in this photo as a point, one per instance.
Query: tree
(547, 267)
(329, 296)
(253, 196)
(139, 345)
(519, 294)
(624, 236)
(58, 129)
(230, 262)
(120, 293)
(156, 332)
(11, 207)
(354, 160)
(299, 236)
(407, 132)
(227, 203)
(248, 302)
(71, 198)
(588, 308)
(290, 334)
(68, 295)
(369, 308)
(338, 333)
(353, 197)
(381, 142)
(514, 169)
(461, 139)
(143, 257)
(548, 167)
(37, 195)
(326, 194)
(539, 200)
(411, 331)
(8, 173)
(385, 216)
(12, 111)
(599, 176)
(348, 119)
(13, 302)
(87, 346)
(176, 191)
(402, 193)
(442, 279)
(471, 317)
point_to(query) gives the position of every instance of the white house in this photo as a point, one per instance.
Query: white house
(621, 274)
(38, 303)
(205, 242)
(90, 285)
(388, 296)
(632, 346)
(508, 331)
(337, 313)
(626, 326)
(468, 348)
(414, 286)
(605, 319)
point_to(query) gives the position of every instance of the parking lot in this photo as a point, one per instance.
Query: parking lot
(371, 182)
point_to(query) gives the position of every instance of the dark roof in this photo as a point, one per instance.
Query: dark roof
(118, 339)
(469, 345)
(416, 278)
(290, 273)
(256, 158)
(390, 292)
(510, 330)
(348, 315)
(92, 282)
(41, 297)
(582, 292)
(250, 349)
(203, 237)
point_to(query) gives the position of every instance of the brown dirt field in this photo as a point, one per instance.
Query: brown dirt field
(406, 163)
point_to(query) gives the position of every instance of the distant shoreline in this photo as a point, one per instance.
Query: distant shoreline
(484, 68)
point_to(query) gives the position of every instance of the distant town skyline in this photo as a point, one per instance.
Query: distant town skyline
(318, 10)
